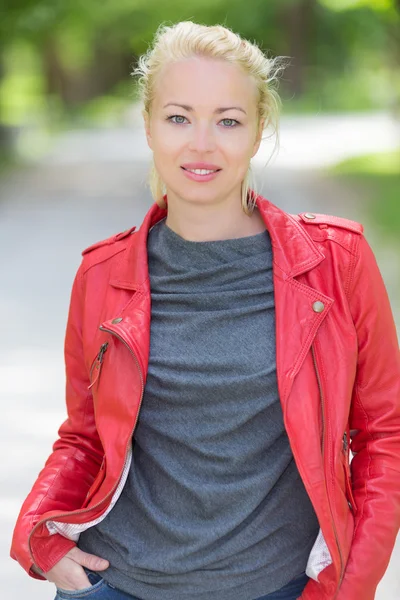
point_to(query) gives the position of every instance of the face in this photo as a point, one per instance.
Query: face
(204, 111)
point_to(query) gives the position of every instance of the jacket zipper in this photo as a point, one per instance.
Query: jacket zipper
(111, 492)
(349, 490)
(98, 361)
(322, 397)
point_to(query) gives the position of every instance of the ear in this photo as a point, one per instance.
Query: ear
(146, 120)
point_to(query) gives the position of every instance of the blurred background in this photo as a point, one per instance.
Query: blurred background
(74, 165)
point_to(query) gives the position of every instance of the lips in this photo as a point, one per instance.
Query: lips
(201, 177)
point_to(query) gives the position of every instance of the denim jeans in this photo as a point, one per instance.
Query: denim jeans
(101, 590)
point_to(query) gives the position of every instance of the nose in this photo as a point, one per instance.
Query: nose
(202, 138)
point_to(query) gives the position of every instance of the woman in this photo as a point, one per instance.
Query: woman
(260, 349)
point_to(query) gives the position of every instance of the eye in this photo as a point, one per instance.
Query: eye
(232, 122)
(176, 117)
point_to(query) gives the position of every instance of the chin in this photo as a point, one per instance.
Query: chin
(196, 195)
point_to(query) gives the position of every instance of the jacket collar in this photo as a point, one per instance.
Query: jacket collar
(294, 251)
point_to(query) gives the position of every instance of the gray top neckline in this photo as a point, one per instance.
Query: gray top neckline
(256, 240)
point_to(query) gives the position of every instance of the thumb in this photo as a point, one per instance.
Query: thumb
(90, 561)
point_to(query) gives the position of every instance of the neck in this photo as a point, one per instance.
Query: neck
(222, 220)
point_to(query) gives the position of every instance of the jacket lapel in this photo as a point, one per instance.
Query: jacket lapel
(297, 320)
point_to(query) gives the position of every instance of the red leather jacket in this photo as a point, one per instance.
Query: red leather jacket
(338, 368)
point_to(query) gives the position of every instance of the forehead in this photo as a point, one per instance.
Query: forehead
(205, 82)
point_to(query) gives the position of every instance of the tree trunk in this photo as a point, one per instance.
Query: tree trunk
(298, 20)
(75, 87)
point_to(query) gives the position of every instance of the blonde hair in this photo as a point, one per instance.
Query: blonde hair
(186, 40)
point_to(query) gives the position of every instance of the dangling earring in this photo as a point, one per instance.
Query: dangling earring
(248, 198)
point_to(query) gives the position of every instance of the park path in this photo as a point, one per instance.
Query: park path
(89, 185)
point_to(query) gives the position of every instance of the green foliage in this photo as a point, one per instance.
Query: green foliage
(21, 93)
(353, 90)
(350, 49)
(370, 165)
(378, 5)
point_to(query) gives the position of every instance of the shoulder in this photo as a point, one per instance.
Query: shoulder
(330, 221)
(322, 228)
(104, 249)
(108, 241)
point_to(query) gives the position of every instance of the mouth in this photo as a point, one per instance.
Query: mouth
(201, 172)
(200, 175)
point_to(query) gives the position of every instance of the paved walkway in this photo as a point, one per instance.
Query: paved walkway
(89, 186)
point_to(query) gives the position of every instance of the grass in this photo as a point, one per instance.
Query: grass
(378, 176)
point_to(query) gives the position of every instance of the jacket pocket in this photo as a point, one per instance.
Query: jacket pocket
(347, 474)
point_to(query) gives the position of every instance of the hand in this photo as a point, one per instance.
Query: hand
(68, 573)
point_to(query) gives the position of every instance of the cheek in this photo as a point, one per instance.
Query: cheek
(167, 146)
(238, 154)
(237, 143)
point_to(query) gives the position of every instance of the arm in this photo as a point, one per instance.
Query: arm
(375, 420)
(76, 457)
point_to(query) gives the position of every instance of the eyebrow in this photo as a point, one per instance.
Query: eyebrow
(217, 110)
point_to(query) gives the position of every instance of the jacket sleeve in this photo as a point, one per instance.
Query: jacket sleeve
(375, 425)
(76, 455)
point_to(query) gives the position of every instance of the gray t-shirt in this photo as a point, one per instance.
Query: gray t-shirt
(214, 507)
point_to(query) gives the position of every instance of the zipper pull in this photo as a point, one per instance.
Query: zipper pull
(97, 364)
(103, 348)
(345, 442)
